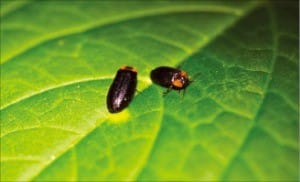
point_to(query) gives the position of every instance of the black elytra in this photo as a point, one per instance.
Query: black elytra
(122, 90)
(171, 78)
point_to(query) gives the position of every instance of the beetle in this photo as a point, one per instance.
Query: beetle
(122, 89)
(171, 78)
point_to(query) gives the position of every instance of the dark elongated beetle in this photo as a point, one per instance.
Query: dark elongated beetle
(122, 89)
(171, 78)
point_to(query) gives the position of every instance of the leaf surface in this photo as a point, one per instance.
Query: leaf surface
(238, 120)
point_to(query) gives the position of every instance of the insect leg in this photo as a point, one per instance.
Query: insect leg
(167, 91)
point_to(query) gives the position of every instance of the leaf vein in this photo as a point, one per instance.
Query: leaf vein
(273, 28)
(122, 18)
(49, 88)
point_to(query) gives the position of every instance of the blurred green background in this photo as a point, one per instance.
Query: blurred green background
(238, 121)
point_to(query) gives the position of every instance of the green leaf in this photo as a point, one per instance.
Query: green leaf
(239, 120)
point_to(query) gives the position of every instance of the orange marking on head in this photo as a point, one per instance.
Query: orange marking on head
(128, 68)
(177, 83)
